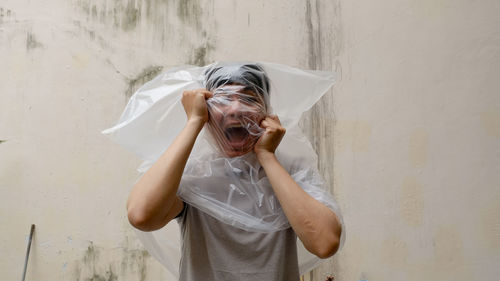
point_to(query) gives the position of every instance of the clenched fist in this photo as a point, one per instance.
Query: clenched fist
(195, 104)
(272, 136)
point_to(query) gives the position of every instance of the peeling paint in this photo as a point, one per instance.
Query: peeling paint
(147, 74)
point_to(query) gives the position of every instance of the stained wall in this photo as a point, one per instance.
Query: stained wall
(408, 138)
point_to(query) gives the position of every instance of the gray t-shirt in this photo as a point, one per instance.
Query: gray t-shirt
(215, 251)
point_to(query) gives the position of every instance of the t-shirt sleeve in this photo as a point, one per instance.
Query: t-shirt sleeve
(183, 211)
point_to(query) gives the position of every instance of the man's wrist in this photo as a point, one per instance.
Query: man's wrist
(265, 156)
(195, 122)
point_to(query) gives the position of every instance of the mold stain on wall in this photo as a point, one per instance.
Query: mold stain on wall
(90, 262)
(131, 15)
(323, 39)
(316, 128)
(144, 76)
(5, 15)
(190, 12)
(162, 25)
(31, 42)
(199, 55)
(108, 265)
(314, 34)
(120, 14)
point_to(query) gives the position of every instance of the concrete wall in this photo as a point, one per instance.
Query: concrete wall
(414, 125)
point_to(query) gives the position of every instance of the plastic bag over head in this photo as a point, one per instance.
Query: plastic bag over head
(240, 102)
(222, 177)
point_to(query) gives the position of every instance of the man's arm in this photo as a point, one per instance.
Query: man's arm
(153, 202)
(315, 224)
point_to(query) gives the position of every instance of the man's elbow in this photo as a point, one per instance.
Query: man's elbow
(329, 245)
(140, 221)
(328, 249)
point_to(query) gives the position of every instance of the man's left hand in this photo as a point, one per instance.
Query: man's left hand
(272, 136)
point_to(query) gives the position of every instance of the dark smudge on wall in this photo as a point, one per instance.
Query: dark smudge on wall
(144, 76)
(159, 26)
(31, 42)
(99, 265)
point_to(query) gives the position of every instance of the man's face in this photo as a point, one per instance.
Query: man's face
(235, 114)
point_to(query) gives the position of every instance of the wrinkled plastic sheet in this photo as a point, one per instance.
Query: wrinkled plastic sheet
(222, 176)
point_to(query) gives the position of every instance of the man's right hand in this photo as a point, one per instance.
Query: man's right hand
(195, 104)
(153, 201)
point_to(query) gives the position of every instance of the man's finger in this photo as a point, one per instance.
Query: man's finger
(265, 123)
(275, 118)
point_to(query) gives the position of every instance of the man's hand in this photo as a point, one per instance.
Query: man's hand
(195, 104)
(272, 136)
(153, 201)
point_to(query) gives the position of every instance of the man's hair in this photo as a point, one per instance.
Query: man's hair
(246, 74)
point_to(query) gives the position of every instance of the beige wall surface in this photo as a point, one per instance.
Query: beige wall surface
(408, 139)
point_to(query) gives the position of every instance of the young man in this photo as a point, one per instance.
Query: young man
(235, 104)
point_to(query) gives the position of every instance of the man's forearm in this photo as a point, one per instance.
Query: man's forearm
(154, 194)
(316, 225)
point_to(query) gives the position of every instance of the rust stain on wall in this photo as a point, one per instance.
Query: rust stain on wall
(490, 225)
(394, 251)
(353, 134)
(490, 121)
(412, 201)
(418, 147)
(448, 250)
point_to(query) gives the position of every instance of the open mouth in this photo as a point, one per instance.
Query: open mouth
(237, 136)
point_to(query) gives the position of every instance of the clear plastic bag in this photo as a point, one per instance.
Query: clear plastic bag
(223, 177)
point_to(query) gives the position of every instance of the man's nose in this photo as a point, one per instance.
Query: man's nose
(235, 108)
